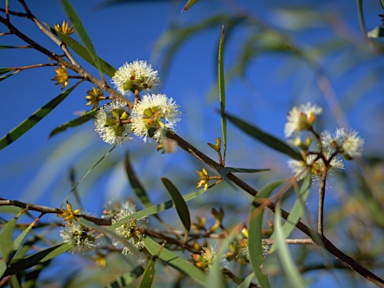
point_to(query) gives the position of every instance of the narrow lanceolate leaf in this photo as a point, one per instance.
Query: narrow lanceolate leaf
(189, 4)
(171, 259)
(264, 137)
(2, 78)
(127, 278)
(247, 281)
(226, 170)
(81, 32)
(181, 206)
(6, 241)
(37, 258)
(135, 183)
(83, 53)
(149, 273)
(297, 210)
(221, 82)
(3, 267)
(21, 237)
(215, 277)
(255, 232)
(74, 123)
(32, 120)
(289, 266)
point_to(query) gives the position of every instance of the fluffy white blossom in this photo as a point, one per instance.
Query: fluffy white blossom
(129, 230)
(347, 142)
(137, 75)
(301, 118)
(315, 167)
(111, 122)
(82, 239)
(153, 114)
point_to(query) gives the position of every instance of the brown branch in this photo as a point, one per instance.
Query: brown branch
(49, 210)
(114, 95)
(318, 239)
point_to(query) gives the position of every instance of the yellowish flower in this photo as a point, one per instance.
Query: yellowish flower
(70, 214)
(61, 77)
(204, 179)
(64, 28)
(94, 96)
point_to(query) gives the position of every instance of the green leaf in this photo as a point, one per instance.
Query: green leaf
(6, 241)
(189, 5)
(223, 171)
(265, 138)
(255, 234)
(289, 267)
(81, 32)
(37, 258)
(150, 271)
(297, 210)
(5, 70)
(10, 47)
(155, 209)
(21, 237)
(178, 200)
(32, 120)
(7, 76)
(3, 267)
(127, 278)
(215, 277)
(171, 259)
(74, 123)
(83, 53)
(221, 82)
(247, 281)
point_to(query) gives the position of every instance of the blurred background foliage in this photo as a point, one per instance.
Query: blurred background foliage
(277, 54)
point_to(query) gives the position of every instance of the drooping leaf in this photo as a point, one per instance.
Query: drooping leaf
(297, 210)
(189, 4)
(226, 170)
(178, 200)
(6, 241)
(150, 271)
(215, 277)
(83, 53)
(3, 267)
(289, 266)
(127, 278)
(221, 84)
(34, 259)
(377, 32)
(19, 239)
(32, 120)
(81, 32)
(264, 137)
(74, 123)
(171, 259)
(247, 281)
(255, 234)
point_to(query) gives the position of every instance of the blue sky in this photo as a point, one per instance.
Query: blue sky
(35, 169)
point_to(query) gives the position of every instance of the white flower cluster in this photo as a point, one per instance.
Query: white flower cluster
(129, 230)
(80, 236)
(344, 142)
(151, 116)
